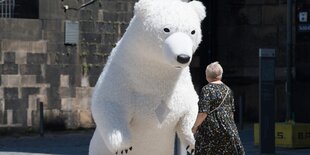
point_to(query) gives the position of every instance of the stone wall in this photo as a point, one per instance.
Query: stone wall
(36, 66)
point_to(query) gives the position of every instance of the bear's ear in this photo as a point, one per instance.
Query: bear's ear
(199, 8)
(140, 7)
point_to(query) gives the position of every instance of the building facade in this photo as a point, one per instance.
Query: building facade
(52, 51)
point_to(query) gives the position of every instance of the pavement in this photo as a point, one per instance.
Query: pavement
(77, 142)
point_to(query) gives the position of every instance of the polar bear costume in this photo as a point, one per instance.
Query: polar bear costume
(145, 93)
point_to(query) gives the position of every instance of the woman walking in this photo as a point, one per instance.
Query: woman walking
(215, 130)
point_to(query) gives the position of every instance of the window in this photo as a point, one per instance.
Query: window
(7, 8)
(19, 9)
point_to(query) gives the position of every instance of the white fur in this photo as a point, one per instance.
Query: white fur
(144, 95)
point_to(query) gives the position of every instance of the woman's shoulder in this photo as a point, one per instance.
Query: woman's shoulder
(211, 87)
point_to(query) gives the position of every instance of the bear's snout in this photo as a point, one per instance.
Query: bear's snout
(183, 58)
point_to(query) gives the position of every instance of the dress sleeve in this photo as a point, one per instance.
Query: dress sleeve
(204, 100)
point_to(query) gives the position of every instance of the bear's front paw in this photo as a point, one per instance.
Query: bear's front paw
(124, 151)
(119, 142)
(190, 149)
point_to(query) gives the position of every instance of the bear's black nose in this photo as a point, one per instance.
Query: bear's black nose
(183, 59)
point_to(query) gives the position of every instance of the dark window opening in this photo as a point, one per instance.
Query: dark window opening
(19, 9)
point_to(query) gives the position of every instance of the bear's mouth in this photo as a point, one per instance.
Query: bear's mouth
(178, 67)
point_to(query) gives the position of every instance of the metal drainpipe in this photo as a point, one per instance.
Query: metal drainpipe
(288, 60)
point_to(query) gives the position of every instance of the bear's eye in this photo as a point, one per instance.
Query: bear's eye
(166, 30)
(193, 32)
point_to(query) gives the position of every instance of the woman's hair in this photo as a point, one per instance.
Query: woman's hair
(214, 71)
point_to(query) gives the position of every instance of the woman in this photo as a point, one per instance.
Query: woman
(215, 130)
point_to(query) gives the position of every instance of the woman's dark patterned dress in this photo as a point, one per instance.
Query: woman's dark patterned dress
(218, 134)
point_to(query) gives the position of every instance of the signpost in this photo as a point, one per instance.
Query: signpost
(266, 100)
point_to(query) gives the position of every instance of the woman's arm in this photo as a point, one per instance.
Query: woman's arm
(200, 118)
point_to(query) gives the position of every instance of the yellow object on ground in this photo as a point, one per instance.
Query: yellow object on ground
(288, 135)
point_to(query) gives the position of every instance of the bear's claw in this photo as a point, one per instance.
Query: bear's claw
(126, 150)
(192, 151)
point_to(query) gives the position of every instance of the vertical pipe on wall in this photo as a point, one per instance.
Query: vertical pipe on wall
(288, 60)
(41, 108)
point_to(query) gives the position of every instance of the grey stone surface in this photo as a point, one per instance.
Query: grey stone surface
(30, 69)
(23, 29)
(9, 57)
(9, 68)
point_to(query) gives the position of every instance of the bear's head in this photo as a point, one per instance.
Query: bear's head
(171, 27)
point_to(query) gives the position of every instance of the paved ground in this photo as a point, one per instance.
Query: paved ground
(76, 143)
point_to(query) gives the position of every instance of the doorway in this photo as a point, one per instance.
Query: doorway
(206, 52)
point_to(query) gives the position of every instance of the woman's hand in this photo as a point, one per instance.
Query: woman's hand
(194, 129)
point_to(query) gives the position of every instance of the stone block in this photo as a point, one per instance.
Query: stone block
(109, 6)
(64, 80)
(65, 92)
(10, 81)
(51, 10)
(123, 17)
(29, 91)
(86, 15)
(36, 58)
(84, 103)
(111, 17)
(9, 69)
(30, 69)
(84, 81)
(33, 102)
(52, 75)
(94, 59)
(21, 58)
(55, 37)
(87, 27)
(68, 104)
(66, 58)
(53, 47)
(100, 15)
(24, 46)
(9, 117)
(13, 104)
(53, 25)
(23, 29)
(105, 50)
(86, 120)
(39, 46)
(109, 39)
(9, 57)
(90, 37)
(29, 117)
(109, 28)
(41, 79)
(87, 49)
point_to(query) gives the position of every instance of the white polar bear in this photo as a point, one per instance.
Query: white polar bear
(145, 93)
